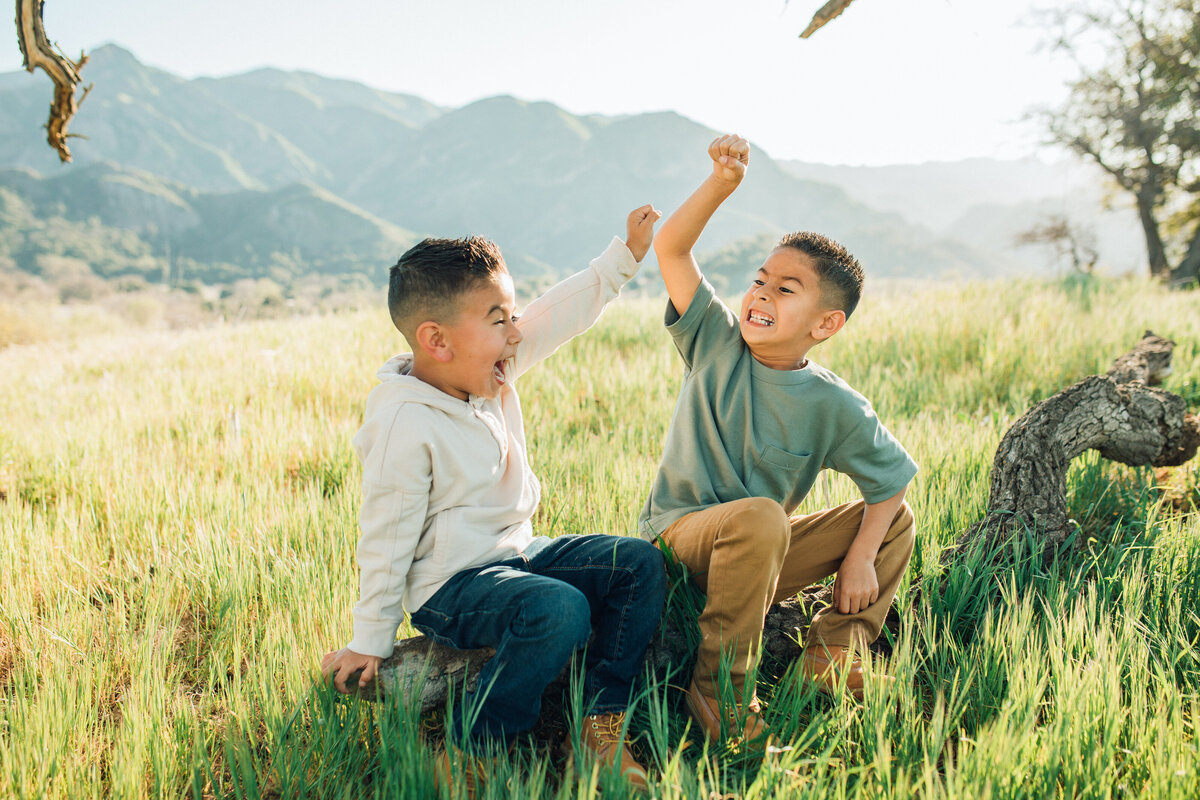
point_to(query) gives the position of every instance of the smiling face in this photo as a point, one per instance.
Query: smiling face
(783, 314)
(472, 351)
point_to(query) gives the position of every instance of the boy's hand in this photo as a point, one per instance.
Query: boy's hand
(344, 663)
(856, 586)
(639, 230)
(730, 155)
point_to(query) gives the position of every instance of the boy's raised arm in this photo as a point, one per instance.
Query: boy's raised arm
(673, 244)
(571, 307)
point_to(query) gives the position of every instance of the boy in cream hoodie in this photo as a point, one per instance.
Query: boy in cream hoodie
(448, 495)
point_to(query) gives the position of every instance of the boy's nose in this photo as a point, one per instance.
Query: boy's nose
(516, 337)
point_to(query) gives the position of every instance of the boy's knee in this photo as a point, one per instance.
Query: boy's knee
(648, 564)
(642, 556)
(905, 522)
(576, 619)
(640, 569)
(760, 522)
(563, 609)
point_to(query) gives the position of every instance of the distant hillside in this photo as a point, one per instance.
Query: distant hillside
(988, 202)
(121, 221)
(260, 130)
(280, 174)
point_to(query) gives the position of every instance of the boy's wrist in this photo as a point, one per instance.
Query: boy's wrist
(859, 555)
(618, 258)
(725, 187)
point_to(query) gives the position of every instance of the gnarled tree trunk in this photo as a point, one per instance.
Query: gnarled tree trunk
(1188, 270)
(1119, 414)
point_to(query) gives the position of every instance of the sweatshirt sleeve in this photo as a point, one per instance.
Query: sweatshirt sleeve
(572, 306)
(396, 488)
(705, 329)
(873, 458)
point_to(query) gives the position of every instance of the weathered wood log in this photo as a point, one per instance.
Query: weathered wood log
(38, 52)
(1119, 414)
(827, 12)
(422, 671)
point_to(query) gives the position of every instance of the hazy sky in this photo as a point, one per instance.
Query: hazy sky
(890, 81)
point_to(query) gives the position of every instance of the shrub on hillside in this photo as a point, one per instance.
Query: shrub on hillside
(23, 325)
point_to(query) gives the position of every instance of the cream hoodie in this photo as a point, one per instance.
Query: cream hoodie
(446, 482)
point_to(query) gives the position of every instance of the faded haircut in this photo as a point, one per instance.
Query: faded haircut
(840, 273)
(430, 278)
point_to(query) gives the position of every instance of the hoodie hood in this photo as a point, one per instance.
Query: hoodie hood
(396, 385)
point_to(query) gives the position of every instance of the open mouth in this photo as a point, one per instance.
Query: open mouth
(498, 372)
(759, 318)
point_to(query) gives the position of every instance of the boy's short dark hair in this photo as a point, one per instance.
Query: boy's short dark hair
(840, 273)
(429, 278)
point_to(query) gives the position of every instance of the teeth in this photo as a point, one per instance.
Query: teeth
(498, 372)
(761, 319)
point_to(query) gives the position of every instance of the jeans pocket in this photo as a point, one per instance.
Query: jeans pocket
(428, 624)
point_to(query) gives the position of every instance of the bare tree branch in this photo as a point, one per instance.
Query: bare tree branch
(829, 11)
(38, 52)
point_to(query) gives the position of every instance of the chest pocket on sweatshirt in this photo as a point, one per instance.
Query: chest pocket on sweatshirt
(772, 457)
(777, 473)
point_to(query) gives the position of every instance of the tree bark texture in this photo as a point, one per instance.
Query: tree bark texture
(1119, 413)
(1188, 270)
(1156, 251)
(38, 52)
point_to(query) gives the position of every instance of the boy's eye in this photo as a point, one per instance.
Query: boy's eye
(513, 319)
(785, 290)
(757, 282)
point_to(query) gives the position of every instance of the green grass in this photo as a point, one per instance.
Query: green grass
(180, 516)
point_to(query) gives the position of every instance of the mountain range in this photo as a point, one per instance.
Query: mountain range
(281, 174)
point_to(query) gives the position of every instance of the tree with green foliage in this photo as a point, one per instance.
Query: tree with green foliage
(1133, 110)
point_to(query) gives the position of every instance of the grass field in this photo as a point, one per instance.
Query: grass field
(178, 525)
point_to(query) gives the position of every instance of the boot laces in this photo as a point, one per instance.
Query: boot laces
(606, 728)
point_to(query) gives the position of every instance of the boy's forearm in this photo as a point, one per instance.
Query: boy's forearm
(679, 234)
(877, 518)
(572, 306)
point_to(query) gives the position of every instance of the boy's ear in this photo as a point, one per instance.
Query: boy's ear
(831, 322)
(432, 339)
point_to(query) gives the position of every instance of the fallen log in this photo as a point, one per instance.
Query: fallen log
(424, 672)
(1119, 413)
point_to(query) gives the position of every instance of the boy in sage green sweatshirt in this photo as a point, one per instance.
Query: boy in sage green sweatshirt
(754, 424)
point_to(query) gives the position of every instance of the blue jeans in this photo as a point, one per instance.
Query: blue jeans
(537, 611)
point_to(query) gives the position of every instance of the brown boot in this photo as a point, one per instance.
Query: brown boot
(717, 725)
(832, 667)
(454, 768)
(600, 734)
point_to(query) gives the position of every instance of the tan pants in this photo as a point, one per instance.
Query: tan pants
(747, 554)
